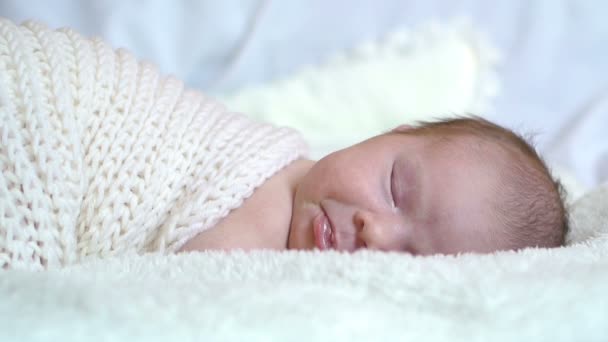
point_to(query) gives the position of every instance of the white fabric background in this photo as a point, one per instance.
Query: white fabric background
(554, 51)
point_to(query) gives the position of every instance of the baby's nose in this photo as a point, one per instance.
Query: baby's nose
(379, 231)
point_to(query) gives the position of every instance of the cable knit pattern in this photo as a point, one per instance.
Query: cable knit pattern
(100, 155)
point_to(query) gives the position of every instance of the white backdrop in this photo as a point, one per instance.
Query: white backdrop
(554, 70)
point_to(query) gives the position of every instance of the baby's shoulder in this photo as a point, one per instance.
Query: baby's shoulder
(261, 222)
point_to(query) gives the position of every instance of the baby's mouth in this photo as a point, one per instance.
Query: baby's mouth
(323, 232)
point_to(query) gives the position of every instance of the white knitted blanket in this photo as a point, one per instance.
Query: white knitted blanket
(100, 155)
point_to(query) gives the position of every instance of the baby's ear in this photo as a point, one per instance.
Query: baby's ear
(402, 128)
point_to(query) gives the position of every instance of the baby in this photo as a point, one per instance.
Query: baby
(451, 186)
(101, 155)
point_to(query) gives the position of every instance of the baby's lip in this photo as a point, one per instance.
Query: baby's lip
(343, 235)
(323, 231)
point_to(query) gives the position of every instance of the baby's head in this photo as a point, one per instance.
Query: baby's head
(459, 185)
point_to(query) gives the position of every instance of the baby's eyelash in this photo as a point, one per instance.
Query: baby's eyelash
(392, 187)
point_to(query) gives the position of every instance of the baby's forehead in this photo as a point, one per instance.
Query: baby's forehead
(463, 145)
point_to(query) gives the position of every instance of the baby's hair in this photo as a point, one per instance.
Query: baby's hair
(532, 208)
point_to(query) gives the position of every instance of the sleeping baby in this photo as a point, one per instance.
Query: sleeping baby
(452, 186)
(103, 156)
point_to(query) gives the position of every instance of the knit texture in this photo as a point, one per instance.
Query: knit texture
(101, 155)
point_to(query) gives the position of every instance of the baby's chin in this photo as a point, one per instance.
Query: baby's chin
(291, 240)
(297, 238)
(292, 235)
(300, 229)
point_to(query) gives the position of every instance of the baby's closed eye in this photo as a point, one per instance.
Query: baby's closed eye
(403, 185)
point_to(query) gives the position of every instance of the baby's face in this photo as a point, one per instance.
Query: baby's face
(399, 192)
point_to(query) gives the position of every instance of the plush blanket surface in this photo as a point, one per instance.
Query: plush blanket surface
(101, 155)
(536, 295)
(531, 295)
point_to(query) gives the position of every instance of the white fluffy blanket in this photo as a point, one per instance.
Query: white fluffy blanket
(435, 70)
(531, 295)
